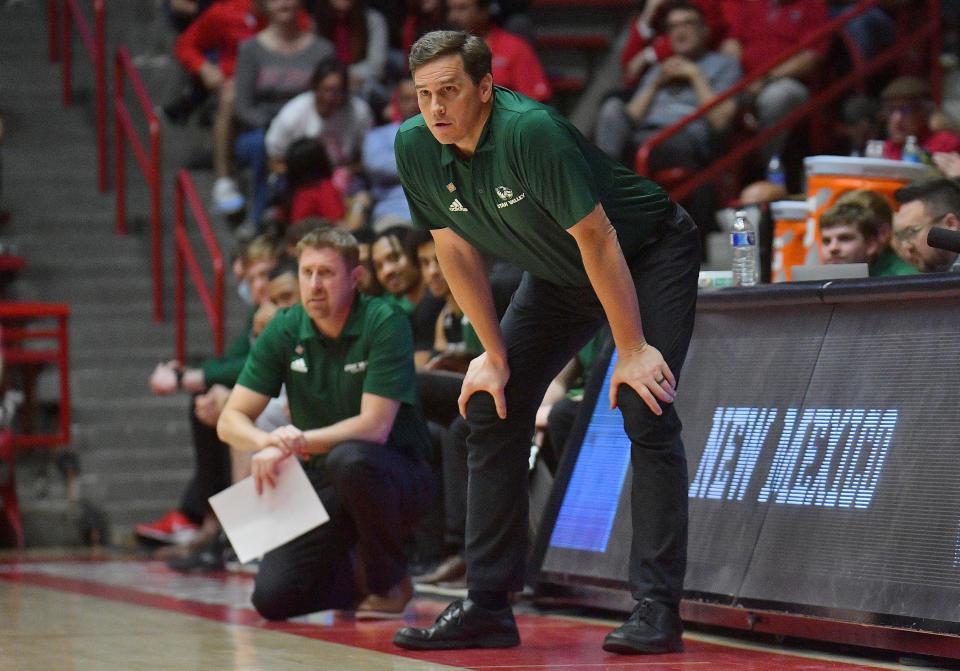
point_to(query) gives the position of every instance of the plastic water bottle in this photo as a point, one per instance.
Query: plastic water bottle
(775, 171)
(874, 149)
(745, 254)
(911, 151)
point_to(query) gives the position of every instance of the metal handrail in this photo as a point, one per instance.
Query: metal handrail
(184, 255)
(149, 162)
(931, 29)
(53, 31)
(94, 41)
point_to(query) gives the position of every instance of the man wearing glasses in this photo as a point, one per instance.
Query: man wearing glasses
(923, 205)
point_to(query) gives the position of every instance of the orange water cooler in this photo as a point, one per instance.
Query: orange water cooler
(830, 176)
(794, 238)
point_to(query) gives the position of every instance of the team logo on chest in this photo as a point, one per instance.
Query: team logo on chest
(505, 194)
(299, 365)
(358, 367)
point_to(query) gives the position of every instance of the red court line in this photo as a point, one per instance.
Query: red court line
(547, 642)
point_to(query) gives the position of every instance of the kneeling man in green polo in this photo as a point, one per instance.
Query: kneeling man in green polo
(347, 362)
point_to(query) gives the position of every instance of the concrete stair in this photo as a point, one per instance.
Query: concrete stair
(134, 449)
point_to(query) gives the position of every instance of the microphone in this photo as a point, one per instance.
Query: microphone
(944, 238)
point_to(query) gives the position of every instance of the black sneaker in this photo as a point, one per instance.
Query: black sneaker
(463, 624)
(207, 558)
(180, 110)
(653, 628)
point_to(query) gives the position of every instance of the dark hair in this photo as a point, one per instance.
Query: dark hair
(307, 161)
(286, 265)
(332, 238)
(364, 236)
(326, 68)
(326, 19)
(415, 239)
(939, 195)
(422, 23)
(474, 51)
(685, 6)
(400, 234)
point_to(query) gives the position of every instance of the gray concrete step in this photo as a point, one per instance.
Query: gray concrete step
(169, 455)
(99, 443)
(126, 485)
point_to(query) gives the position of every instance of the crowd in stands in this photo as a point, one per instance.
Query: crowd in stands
(310, 97)
(332, 71)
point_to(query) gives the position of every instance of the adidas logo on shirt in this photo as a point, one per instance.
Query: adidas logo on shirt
(456, 206)
(298, 366)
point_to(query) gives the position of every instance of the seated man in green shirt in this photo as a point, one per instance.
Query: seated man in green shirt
(193, 519)
(347, 362)
(857, 230)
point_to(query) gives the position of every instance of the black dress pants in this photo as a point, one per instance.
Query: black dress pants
(543, 328)
(374, 496)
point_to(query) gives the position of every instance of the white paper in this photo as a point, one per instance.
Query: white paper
(256, 524)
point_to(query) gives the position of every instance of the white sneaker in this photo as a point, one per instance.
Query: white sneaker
(227, 199)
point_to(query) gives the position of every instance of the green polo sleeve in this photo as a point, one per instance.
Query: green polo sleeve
(225, 369)
(265, 365)
(424, 213)
(551, 157)
(390, 369)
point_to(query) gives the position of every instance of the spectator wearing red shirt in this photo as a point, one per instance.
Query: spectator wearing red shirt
(647, 43)
(515, 63)
(907, 107)
(219, 30)
(759, 32)
(310, 188)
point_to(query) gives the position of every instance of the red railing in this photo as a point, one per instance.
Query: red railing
(927, 36)
(94, 42)
(15, 318)
(149, 162)
(184, 255)
(53, 31)
(21, 353)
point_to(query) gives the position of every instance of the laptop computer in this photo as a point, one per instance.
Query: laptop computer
(828, 271)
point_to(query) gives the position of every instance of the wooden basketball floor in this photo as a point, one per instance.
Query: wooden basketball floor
(113, 612)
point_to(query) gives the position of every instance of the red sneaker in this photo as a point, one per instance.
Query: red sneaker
(174, 528)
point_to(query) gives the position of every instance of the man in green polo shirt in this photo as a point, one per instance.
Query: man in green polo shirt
(490, 171)
(193, 516)
(347, 362)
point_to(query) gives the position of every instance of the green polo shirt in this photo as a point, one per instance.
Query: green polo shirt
(888, 264)
(225, 369)
(533, 175)
(326, 377)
